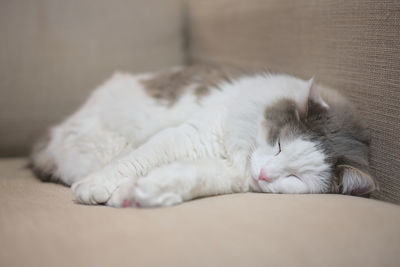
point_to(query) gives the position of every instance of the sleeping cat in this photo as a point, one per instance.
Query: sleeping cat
(164, 138)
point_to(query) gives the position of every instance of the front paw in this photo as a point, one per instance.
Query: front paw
(151, 193)
(95, 189)
(122, 195)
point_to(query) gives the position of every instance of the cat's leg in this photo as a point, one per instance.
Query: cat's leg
(180, 181)
(171, 144)
(75, 149)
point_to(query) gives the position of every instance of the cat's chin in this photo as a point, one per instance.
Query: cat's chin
(255, 186)
(265, 188)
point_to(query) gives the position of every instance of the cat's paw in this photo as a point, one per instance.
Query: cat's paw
(149, 192)
(94, 189)
(122, 195)
(160, 188)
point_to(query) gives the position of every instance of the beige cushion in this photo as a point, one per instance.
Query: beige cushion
(40, 225)
(349, 45)
(54, 52)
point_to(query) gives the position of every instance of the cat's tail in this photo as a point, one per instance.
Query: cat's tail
(41, 160)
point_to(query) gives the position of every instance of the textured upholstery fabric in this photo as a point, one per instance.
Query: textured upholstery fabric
(40, 225)
(353, 46)
(54, 52)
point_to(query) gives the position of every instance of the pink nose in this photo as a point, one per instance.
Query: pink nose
(264, 177)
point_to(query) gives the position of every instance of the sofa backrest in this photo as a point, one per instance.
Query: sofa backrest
(54, 52)
(353, 46)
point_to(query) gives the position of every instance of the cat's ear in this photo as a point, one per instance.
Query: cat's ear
(314, 95)
(354, 181)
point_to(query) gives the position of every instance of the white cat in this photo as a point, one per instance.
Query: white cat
(164, 138)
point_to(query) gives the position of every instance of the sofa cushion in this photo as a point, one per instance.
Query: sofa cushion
(54, 52)
(40, 225)
(349, 45)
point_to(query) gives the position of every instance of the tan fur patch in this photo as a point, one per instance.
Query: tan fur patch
(171, 85)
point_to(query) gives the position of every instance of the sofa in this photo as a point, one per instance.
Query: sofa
(53, 53)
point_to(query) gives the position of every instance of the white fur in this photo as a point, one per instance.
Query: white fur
(299, 168)
(123, 144)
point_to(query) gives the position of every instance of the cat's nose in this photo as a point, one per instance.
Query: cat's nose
(264, 177)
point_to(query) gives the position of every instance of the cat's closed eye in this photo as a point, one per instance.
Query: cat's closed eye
(293, 175)
(279, 148)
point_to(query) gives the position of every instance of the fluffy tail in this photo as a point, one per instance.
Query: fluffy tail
(42, 162)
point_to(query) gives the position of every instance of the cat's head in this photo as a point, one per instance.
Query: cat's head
(312, 145)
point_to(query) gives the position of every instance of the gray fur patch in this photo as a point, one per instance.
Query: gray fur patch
(343, 136)
(171, 85)
(282, 119)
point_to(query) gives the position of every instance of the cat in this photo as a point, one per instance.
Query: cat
(159, 139)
